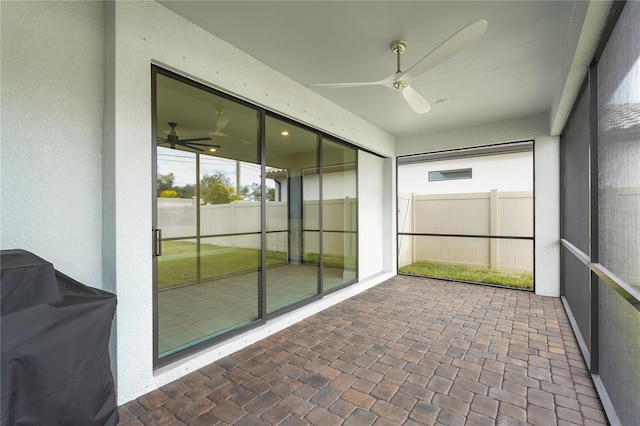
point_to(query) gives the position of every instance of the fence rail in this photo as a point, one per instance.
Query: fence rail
(238, 224)
(457, 229)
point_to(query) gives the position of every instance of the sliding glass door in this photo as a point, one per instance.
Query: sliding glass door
(293, 220)
(208, 269)
(339, 214)
(255, 215)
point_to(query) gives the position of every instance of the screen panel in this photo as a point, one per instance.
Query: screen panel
(619, 211)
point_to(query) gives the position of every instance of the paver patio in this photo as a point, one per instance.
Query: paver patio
(410, 351)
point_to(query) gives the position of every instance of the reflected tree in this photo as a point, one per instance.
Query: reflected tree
(217, 189)
(253, 192)
(165, 182)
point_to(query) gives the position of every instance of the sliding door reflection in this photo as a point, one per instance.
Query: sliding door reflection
(292, 213)
(339, 214)
(255, 215)
(208, 173)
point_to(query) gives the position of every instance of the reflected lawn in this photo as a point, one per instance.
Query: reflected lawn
(178, 263)
(333, 261)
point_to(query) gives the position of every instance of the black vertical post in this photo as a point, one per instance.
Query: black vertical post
(563, 170)
(593, 198)
(262, 273)
(198, 216)
(154, 207)
(320, 143)
(295, 220)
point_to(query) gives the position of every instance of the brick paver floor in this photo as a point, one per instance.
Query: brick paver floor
(410, 351)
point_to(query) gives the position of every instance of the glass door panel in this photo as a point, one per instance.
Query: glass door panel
(292, 213)
(339, 214)
(176, 216)
(251, 212)
(208, 170)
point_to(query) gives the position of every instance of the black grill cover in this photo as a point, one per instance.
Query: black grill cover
(55, 338)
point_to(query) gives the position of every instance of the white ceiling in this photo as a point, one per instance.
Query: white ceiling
(514, 70)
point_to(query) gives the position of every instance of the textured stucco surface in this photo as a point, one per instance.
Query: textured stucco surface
(371, 208)
(547, 215)
(52, 133)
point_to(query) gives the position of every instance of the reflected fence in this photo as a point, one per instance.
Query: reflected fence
(236, 224)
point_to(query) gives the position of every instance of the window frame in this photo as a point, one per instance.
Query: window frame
(263, 316)
(455, 174)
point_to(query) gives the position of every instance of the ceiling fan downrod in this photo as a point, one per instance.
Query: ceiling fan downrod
(398, 47)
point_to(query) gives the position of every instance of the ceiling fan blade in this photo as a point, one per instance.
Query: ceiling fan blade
(218, 134)
(343, 85)
(188, 145)
(222, 121)
(386, 82)
(195, 139)
(463, 38)
(415, 101)
(201, 144)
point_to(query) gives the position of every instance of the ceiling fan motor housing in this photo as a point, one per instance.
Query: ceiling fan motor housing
(398, 46)
(399, 84)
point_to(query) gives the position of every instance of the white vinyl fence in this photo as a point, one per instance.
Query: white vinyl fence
(177, 219)
(485, 213)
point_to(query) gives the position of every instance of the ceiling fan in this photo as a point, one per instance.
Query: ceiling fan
(172, 139)
(222, 119)
(400, 79)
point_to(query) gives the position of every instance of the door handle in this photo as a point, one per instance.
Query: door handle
(157, 242)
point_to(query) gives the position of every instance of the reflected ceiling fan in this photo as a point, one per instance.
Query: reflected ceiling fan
(400, 79)
(222, 119)
(193, 143)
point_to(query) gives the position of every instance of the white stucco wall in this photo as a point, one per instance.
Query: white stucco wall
(145, 33)
(389, 222)
(505, 172)
(51, 91)
(371, 207)
(547, 215)
(546, 180)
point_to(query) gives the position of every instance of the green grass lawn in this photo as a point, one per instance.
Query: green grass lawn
(468, 273)
(331, 260)
(178, 264)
